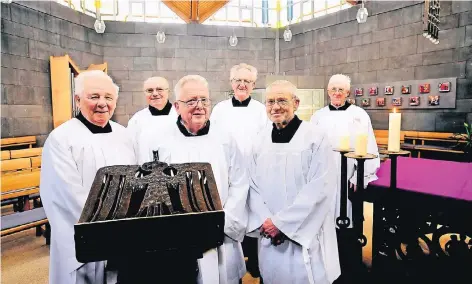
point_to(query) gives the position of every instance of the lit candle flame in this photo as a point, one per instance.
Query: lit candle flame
(394, 110)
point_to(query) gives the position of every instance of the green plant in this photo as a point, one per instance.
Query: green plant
(464, 140)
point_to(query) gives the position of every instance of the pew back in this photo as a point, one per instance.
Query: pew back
(18, 141)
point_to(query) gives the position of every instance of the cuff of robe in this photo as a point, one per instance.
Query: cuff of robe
(291, 235)
(234, 228)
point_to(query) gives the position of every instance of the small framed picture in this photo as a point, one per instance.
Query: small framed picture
(351, 101)
(373, 91)
(397, 101)
(433, 100)
(359, 92)
(406, 89)
(424, 88)
(380, 102)
(444, 87)
(366, 102)
(388, 90)
(414, 101)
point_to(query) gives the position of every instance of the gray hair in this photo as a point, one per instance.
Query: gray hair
(340, 78)
(240, 66)
(184, 80)
(285, 84)
(79, 81)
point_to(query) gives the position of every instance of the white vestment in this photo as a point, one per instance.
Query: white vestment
(224, 265)
(293, 184)
(143, 120)
(348, 122)
(71, 157)
(243, 123)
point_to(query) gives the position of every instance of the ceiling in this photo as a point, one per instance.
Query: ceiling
(195, 11)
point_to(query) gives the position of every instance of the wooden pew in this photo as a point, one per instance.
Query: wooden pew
(421, 141)
(23, 153)
(18, 141)
(19, 181)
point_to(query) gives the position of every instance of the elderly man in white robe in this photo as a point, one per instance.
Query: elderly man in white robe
(291, 197)
(191, 139)
(242, 117)
(337, 120)
(159, 111)
(72, 154)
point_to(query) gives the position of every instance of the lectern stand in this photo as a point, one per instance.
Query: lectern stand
(151, 223)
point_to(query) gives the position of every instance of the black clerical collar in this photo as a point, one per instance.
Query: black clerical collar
(185, 132)
(165, 111)
(95, 129)
(237, 103)
(344, 107)
(285, 134)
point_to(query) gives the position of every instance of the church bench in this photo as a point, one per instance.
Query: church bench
(17, 188)
(422, 142)
(18, 222)
(18, 141)
(20, 181)
(23, 153)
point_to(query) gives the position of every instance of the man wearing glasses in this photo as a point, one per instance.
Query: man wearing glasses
(291, 196)
(341, 120)
(159, 111)
(243, 118)
(192, 139)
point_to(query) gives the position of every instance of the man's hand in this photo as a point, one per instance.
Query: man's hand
(351, 185)
(268, 228)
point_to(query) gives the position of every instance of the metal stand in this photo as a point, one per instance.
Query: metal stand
(379, 206)
(165, 268)
(343, 221)
(357, 267)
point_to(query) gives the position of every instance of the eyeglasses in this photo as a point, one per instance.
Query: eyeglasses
(194, 102)
(159, 90)
(242, 81)
(337, 90)
(280, 102)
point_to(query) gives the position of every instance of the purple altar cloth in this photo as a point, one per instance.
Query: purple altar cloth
(434, 177)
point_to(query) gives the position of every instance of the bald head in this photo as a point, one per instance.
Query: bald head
(156, 90)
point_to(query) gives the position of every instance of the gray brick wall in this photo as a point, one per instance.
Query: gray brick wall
(133, 55)
(390, 47)
(32, 31)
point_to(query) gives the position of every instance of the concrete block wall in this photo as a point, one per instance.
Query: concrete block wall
(31, 32)
(34, 30)
(389, 47)
(133, 55)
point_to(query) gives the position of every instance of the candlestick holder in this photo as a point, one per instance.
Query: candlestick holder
(358, 206)
(343, 221)
(393, 155)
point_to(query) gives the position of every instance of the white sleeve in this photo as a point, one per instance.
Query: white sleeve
(258, 210)
(302, 220)
(236, 214)
(61, 183)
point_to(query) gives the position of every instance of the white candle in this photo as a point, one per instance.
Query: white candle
(344, 143)
(394, 126)
(361, 145)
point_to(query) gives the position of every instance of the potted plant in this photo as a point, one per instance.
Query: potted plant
(464, 141)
